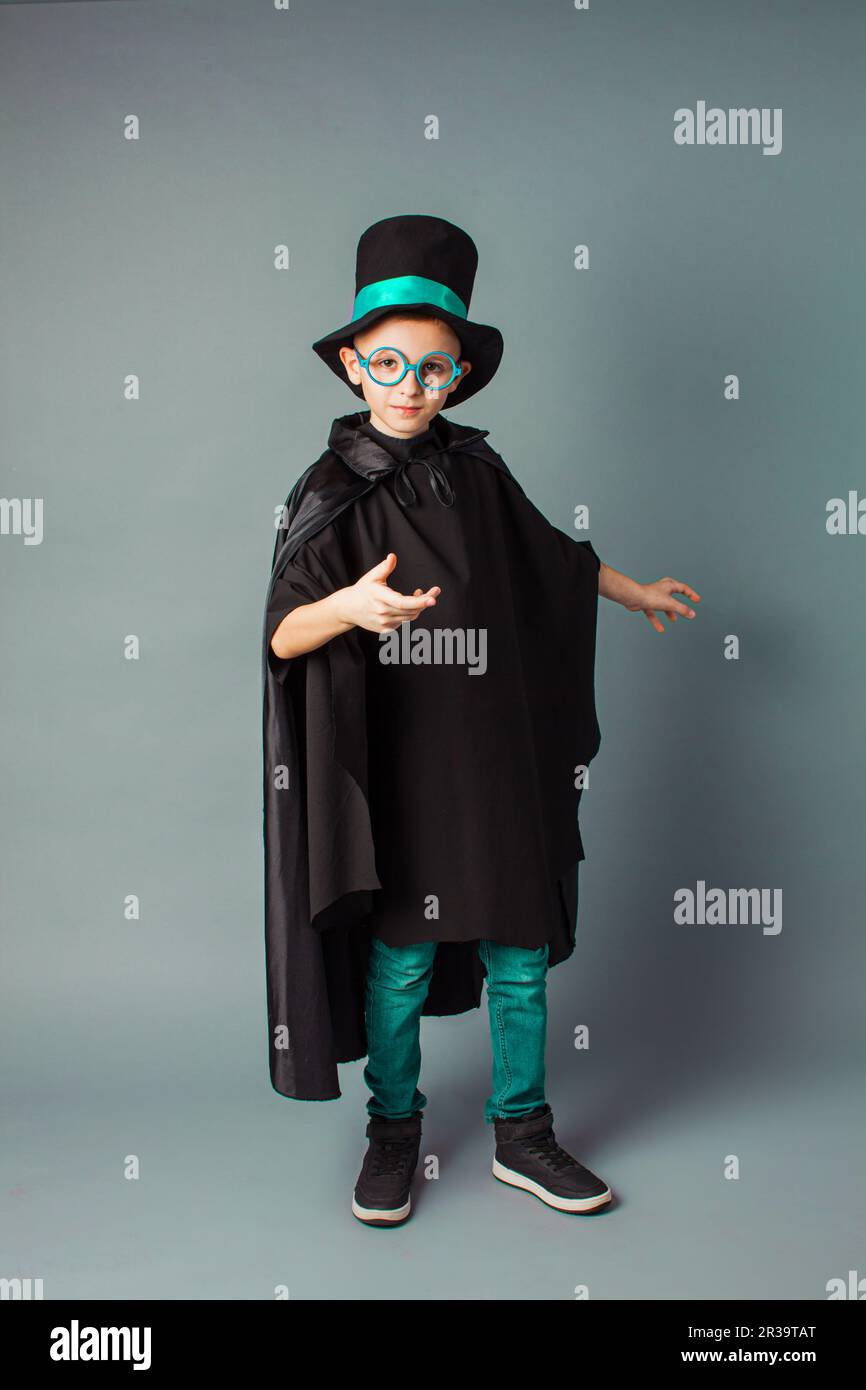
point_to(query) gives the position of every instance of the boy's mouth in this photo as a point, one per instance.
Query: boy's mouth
(407, 409)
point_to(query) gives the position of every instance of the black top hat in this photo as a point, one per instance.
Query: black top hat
(418, 262)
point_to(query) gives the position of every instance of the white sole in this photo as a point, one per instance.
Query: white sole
(376, 1216)
(550, 1198)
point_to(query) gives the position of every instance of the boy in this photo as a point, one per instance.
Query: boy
(422, 783)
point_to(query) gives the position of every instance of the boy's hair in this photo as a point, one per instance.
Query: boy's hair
(399, 313)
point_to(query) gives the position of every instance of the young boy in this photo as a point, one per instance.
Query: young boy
(422, 782)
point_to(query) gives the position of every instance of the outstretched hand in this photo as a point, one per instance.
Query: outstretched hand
(371, 603)
(658, 598)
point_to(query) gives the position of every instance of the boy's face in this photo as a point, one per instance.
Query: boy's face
(406, 408)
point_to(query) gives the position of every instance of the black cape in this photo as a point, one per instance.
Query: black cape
(322, 870)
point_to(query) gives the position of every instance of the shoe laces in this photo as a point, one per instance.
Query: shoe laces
(390, 1156)
(545, 1147)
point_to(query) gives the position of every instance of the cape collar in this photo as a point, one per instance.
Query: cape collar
(371, 460)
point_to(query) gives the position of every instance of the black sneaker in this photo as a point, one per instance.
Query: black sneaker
(528, 1156)
(381, 1196)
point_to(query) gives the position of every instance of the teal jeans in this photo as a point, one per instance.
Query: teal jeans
(398, 978)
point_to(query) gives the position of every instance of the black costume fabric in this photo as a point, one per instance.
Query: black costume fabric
(431, 796)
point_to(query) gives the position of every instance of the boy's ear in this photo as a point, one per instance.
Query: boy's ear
(467, 368)
(350, 362)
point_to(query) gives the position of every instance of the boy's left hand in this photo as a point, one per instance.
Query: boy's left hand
(658, 597)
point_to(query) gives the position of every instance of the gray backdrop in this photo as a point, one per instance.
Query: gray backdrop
(155, 257)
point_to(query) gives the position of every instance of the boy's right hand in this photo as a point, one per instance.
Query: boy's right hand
(371, 603)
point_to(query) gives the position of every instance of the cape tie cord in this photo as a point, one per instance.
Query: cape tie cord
(439, 484)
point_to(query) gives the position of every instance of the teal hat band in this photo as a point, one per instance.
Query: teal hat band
(407, 289)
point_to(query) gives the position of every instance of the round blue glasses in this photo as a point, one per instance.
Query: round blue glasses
(387, 366)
